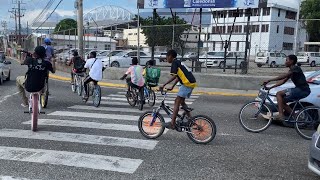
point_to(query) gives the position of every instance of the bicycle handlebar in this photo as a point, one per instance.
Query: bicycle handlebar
(163, 91)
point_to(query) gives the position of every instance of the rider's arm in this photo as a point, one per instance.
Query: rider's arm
(174, 84)
(281, 77)
(279, 83)
(127, 73)
(53, 66)
(71, 61)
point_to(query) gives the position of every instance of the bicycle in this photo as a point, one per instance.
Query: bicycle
(94, 90)
(134, 97)
(34, 109)
(77, 85)
(149, 95)
(261, 116)
(200, 129)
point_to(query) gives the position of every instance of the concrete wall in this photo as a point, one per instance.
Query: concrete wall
(223, 81)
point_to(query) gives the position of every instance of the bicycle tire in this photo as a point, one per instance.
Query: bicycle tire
(45, 96)
(73, 85)
(308, 117)
(131, 98)
(140, 100)
(152, 98)
(35, 112)
(96, 97)
(141, 123)
(267, 122)
(213, 128)
(79, 86)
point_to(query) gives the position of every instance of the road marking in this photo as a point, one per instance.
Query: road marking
(125, 99)
(98, 116)
(99, 162)
(79, 138)
(7, 96)
(168, 98)
(13, 178)
(226, 134)
(168, 95)
(111, 109)
(89, 125)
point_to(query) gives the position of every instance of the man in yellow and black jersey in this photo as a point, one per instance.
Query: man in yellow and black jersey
(180, 73)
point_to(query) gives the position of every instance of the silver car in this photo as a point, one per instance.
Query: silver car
(314, 157)
(5, 70)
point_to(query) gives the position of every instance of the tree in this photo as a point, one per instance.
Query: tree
(163, 31)
(310, 10)
(65, 25)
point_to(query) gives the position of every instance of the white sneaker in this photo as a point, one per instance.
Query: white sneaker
(24, 105)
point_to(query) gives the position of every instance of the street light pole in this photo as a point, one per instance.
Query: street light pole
(295, 45)
(80, 26)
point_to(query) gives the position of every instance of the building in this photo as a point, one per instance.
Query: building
(131, 35)
(271, 29)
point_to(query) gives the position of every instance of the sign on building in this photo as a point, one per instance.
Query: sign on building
(151, 4)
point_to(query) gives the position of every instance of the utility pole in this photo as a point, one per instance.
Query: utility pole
(14, 15)
(18, 14)
(79, 6)
(4, 25)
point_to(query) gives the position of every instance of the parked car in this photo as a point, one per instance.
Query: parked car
(108, 53)
(313, 79)
(163, 56)
(314, 156)
(124, 59)
(309, 58)
(190, 56)
(5, 70)
(271, 59)
(216, 59)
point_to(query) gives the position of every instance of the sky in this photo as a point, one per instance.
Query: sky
(66, 8)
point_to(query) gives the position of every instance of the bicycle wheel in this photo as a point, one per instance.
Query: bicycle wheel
(35, 112)
(45, 96)
(79, 86)
(96, 97)
(202, 129)
(255, 117)
(73, 85)
(131, 98)
(307, 122)
(152, 98)
(151, 131)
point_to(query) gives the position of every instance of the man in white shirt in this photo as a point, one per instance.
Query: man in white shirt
(95, 74)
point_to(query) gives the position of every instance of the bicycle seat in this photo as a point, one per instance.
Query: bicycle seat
(187, 109)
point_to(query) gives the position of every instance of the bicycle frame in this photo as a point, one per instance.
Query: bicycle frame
(31, 101)
(263, 101)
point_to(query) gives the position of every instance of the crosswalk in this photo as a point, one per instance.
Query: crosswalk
(113, 115)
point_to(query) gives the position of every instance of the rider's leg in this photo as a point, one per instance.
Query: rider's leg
(85, 84)
(281, 103)
(20, 85)
(176, 107)
(72, 77)
(183, 104)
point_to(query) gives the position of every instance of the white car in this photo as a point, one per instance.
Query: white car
(5, 69)
(309, 58)
(313, 79)
(190, 56)
(216, 59)
(162, 56)
(271, 59)
(124, 59)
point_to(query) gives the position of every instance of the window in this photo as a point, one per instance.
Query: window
(266, 11)
(236, 29)
(278, 29)
(272, 55)
(220, 14)
(132, 54)
(279, 12)
(253, 28)
(291, 15)
(233, 13)
(130, 34)
(289, 30)
(238, 46)
(107, 47)
(287, 46)
(135, 33)
(213, 46)
(265, 28)
(256, 12)
(143, 54)
(219, 29)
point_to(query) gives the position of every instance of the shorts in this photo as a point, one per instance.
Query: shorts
(185, 92)
(295, 94)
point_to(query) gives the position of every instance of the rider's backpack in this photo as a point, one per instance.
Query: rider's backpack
(36, 76)
(78, 63)
(153, 76)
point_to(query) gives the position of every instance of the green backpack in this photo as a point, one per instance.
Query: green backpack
(153, 76)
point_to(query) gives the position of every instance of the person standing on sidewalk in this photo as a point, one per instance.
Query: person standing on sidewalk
(36, 74)
(180, 73)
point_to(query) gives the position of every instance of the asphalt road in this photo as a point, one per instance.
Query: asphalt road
(111, 148)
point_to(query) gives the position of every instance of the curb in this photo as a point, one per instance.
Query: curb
(104, 84)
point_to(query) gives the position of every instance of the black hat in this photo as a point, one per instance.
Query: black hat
(40, 51)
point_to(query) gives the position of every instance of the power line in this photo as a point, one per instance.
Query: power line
(46, 8)
(49, 15)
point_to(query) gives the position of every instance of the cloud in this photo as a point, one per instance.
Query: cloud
(56, 16)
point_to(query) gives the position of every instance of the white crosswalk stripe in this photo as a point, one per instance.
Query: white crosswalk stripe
(14, 178)
(114, 115)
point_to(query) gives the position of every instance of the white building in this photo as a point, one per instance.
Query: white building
(90, 42)
(131, 35)
(272, 29)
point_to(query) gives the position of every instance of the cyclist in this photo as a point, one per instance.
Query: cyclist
(95, 74)
(49, 49)
(180, 73)
(34, 79)
(78, 65)
(301, 90)
(136, 79)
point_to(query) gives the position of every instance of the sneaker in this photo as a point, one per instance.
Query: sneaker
(24, 105)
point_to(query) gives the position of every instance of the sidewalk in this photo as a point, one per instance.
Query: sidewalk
(62, 76)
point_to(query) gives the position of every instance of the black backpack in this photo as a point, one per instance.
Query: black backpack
(36, 76)
(78, 63)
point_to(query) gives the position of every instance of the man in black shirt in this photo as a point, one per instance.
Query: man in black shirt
(180, 73)
(37, 72)
(301, 90)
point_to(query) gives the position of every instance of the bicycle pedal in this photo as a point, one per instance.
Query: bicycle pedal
(26, 112)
